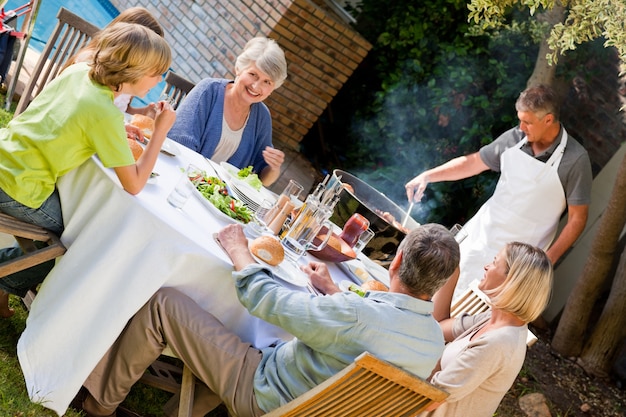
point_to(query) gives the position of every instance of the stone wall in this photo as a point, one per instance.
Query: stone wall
(322, 51)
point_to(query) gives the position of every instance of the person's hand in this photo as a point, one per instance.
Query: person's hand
(274, 157)
(235, 244)
(232, 237)
(415, 188)
(134, 133)
(320, 277)
(165, 117)
(150, 110)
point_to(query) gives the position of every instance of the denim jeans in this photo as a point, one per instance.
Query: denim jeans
(48, 216)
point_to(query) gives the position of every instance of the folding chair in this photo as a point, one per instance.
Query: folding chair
(176, 87)
(26, 234)
(367, 387)
(474, 301)
(70, 34)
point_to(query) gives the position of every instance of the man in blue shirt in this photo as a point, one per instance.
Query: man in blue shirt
(330, 331)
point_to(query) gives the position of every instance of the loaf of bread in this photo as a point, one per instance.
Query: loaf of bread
(268, 249)
(135, 148)
(145, 123)
(373, 285)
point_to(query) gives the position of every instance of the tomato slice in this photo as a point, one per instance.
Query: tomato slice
(232, 205)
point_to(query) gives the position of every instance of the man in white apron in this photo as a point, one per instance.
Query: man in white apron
(542, 172)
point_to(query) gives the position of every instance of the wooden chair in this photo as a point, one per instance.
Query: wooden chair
(26, 234)
(367, 387)
(176, 87)
(70, 34)
(170, 378)
(474, 301)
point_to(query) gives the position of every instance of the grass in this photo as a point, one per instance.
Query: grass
(14, 399)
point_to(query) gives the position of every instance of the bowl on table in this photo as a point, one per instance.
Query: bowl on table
(337, 251)
(371, 204)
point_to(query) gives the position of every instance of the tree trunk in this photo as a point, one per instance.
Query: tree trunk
(608, 335)
(543, 73)
(575, 319)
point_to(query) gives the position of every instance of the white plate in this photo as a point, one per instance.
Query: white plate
(214, 210)
(361, 272)
(169, 147)
(345, 285)
(377, 271)
(245, 190)
(286, 271)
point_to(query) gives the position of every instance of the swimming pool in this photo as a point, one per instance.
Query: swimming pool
(98, 12)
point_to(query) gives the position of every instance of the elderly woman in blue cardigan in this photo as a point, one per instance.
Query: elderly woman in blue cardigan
(226, 120)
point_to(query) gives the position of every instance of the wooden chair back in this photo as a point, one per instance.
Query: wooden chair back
(26, 234)
(70, 34)
(176, 87)
(367, 387)
(474, 301)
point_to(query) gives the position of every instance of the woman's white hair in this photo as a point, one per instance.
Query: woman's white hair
(267, 56)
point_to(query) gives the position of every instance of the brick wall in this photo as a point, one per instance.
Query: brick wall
(321, 50)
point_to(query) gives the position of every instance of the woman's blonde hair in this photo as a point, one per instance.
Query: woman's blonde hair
(267, 56)
(527, 287)
(127, 52)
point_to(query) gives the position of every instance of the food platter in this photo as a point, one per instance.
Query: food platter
(214, 210)
(217, 192)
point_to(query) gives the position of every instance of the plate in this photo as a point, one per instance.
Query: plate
(244, 191)
(214, 210)
(170, 148)
(346, 284)
(286, 271)
(377, 271)
(361, 272)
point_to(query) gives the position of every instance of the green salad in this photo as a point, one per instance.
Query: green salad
(214, 190)
(252, 179)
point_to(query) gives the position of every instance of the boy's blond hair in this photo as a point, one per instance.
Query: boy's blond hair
(126, 52)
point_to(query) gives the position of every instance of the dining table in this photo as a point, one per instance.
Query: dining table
(121, 249)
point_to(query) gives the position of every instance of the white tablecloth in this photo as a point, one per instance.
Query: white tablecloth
(121, 249)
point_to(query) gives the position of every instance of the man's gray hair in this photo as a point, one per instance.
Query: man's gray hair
(429, 257)
(540, 100)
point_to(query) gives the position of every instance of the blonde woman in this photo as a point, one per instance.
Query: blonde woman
(72, 119)
(226, 120)
(486, 352)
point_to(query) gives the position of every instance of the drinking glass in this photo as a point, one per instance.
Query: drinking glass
(303, 230)
(184, 187)
(458, 232)
(292, 190)
(364, 239)
(261, 219)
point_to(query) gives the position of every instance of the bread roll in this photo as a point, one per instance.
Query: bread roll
(145, 123)
(268, 249)
(135, 148)
(373, 285)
